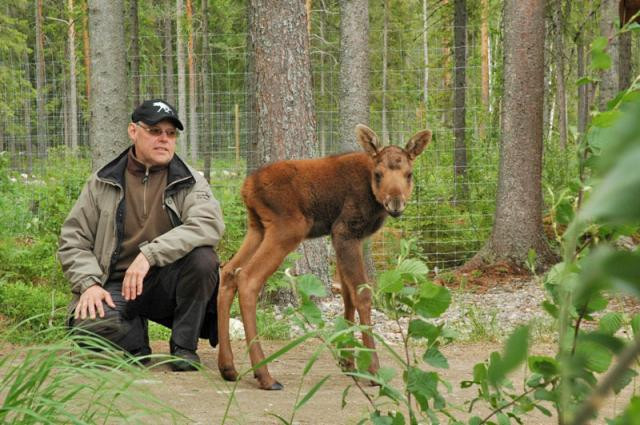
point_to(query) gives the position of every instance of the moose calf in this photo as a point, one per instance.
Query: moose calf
(346, 196)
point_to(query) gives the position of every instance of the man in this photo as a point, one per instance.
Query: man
(139, 244)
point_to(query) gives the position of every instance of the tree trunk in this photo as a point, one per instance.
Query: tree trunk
(624, 60)
(425, 55)
(609, 79)
(40, 84)
(561, 100)
(461, 190)
(167, 24)
(73, 91)
(182, 86)
(518, 217)
(135, 53)
(108, 108)
(354, 70)
(86, 52)
(284, 114)
(385, 47)
(27, 117)
(193, 97)
(484, 36)
(208, 119)
(583, 89)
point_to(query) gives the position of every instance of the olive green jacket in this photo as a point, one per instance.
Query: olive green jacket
(92, 232)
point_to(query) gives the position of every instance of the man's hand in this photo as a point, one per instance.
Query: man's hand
(91, 301)
(134, 277)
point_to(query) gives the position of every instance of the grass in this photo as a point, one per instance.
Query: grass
(78, 379)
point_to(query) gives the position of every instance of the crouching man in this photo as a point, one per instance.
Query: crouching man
(139, 244)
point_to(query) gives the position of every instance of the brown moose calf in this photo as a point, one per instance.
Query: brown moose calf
(346, 196)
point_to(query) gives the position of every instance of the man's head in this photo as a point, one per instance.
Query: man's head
(153, 131)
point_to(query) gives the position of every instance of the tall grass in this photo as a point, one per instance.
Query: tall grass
(80, 379)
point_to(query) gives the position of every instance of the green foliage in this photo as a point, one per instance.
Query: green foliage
(77, 379)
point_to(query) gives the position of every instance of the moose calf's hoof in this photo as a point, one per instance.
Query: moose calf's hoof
(276, 386)
(229, 374)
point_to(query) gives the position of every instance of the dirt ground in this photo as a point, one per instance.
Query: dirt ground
(203, 396)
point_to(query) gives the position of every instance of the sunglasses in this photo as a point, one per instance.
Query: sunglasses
(171, 133)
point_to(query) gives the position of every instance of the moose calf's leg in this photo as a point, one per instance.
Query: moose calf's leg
(226, 292)
(346, 362)
(351, 263)
(278, 242)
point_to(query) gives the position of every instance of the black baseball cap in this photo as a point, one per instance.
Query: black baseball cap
(155, 110)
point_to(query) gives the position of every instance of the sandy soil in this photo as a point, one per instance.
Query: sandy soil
(203, 396)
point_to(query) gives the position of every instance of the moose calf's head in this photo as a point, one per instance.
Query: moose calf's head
(392, 176)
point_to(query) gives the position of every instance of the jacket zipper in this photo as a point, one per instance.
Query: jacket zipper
(145, 181)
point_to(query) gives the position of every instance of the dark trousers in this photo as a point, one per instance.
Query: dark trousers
(181, 296)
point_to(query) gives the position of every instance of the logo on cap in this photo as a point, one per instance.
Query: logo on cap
(163, 107)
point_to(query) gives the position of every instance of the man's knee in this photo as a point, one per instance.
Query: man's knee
(203, 261)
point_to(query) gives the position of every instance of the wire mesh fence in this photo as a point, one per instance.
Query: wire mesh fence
(446, 229)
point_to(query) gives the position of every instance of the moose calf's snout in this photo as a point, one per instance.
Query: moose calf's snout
(394, 206)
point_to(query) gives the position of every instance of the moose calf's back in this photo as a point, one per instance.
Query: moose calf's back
(322, 190)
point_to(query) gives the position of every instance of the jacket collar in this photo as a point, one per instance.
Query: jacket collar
(114, 171)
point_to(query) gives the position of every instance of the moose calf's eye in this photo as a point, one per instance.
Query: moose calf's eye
(378, 176)
(409, 176)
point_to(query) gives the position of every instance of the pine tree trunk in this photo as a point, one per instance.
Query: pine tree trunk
(354, 70)
(284, 114)
(583, 89)
(108, 109)
(609, 79)
(27, 117)
(40, 81)
(86, 48)
(561, 100)
(73, 91)
(208, 118)
(461, 191)
(193, 97)
(518, 217)
(425, 54)
(135, 53)
(167, 23)
(484, 35)
(183, 145)
(385, 47)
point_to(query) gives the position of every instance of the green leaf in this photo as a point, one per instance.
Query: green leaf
(413, 267)
(597, 358)
(434, 300)
(310, 285)
(635, 324)
(418, 328)
(390, 281)
(311, 393)
(311, 313)
(599, 43)
(422, 383)
(610, 323)
(435, 358)
(600, 60)
(606, 119)
(386, 374)
(515, 352)
(564, 212)
(624, 380)
(503, 419)
(543, 365)
(479, 372)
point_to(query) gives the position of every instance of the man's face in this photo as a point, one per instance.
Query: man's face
(155, 144)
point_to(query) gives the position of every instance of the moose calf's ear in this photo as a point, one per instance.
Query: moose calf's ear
(368, 139)
(417, 143)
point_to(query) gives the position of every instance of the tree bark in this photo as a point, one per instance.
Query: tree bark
(40, 84)
(461, 190)
(108, 107)
(73, 91)
(86, 52)
(518, 217)
(425, 54)
(135, 53)
(609, 80)
(354, 70)
(167, 22)
(284, 114)
(561, 100)
(27, 117)
(207, 120)
(484, 36)
(385, 47)
(583, 89)
(193, 97)
(182, 85)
